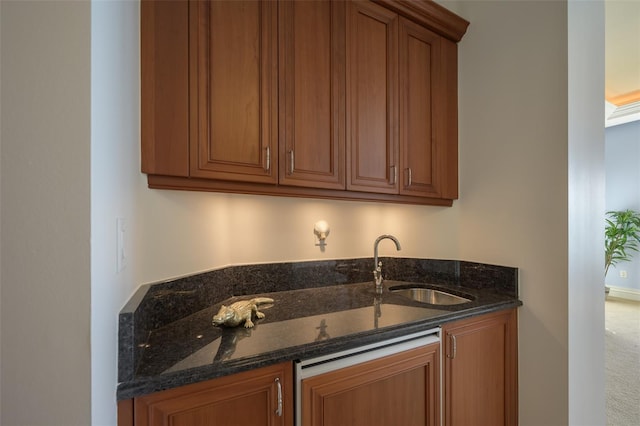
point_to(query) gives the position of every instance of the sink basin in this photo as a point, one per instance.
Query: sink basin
(429, 295)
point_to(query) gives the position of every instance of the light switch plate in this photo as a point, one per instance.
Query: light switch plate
(121, 258)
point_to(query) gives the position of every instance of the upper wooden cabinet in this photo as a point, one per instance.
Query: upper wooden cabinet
(428, 129)
(324, 98)
(401, 105)
(164, 86)
(372, 98)
(312, 120)
(233, 90)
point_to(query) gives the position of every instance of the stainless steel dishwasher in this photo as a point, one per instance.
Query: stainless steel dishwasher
(337, 360)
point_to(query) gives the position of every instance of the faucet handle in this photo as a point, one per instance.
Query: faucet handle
(377, 275)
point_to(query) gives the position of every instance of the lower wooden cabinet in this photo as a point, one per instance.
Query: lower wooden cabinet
(477, 386)
(261, 397)
(481, 369)
(400, 389)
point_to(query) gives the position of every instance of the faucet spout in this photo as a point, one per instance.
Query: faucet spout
(377, 265)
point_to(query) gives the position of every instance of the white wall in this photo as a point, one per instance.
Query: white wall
(115, 130)
(586, 208)
(46, 281)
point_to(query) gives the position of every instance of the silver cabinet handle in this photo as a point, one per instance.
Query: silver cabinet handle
(394, 174)
(279, 387)
(409, 177)
(268, 159)
(454, 346)
(291, 166)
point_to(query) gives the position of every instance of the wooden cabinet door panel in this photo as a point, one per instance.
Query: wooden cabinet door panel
(164, 102)
(445, 120)
(400, 389)
(312, 117)
(481, 371)
(233, 64)
(372, 110)
(244, 399)
(419, 77)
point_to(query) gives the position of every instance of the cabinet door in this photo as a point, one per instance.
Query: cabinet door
(445, 120)
(244, 399)
(233, 102)
(164, 102)
(480, 383)
(400, 389)
(428, 113)
(372, 107)
(419, 76)
(312, 80)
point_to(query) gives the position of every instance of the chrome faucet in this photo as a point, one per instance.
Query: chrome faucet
(377, 265)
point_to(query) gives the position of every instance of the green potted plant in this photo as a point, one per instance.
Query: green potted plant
(622, 237)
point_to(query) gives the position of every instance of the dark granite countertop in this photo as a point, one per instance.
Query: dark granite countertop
(164, 345)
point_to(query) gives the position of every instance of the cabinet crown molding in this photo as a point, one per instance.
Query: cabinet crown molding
(431, 15)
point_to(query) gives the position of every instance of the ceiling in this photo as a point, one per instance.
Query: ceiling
(622, 59)
(622, 51)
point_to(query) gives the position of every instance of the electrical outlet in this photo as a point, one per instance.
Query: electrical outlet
(623, 274)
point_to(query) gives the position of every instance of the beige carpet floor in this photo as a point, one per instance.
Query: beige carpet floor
(622, 336)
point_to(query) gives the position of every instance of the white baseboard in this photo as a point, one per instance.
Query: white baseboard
(624, 293)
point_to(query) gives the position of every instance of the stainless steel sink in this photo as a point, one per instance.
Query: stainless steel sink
(429, 295)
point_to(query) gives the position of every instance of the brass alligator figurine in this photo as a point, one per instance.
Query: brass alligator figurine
(239, 312)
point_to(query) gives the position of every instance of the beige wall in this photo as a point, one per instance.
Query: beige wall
(45, 265)
(514, 181)
(213, 230)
